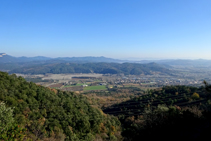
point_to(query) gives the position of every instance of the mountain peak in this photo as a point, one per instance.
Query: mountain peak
(2, 54)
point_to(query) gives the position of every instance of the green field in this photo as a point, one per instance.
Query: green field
(79, 84)
(95, 88)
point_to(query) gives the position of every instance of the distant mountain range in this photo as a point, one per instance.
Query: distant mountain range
(102, 68)
(42, 65)
(4, 58)
(181, 62)
(88, 64)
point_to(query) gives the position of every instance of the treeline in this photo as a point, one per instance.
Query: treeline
(52, 114)
(103, 68)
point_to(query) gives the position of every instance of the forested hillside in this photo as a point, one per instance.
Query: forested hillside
(52, 114)
(103, 68)
(181, 112)
(169, 95)
(35, 112)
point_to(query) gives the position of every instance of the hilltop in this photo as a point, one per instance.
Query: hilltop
(52, 114)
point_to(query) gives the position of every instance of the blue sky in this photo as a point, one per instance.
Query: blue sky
(145, 29)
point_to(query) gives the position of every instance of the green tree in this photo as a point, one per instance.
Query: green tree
(6, 117)
(195, 96)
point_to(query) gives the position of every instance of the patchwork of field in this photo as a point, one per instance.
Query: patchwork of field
(85, 82)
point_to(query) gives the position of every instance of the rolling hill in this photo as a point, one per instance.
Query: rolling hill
(50, 114)
(103, 68)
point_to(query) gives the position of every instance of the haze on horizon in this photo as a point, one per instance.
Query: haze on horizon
(123, 29)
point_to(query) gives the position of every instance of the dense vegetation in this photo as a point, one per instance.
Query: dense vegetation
(169, 95)
(181, 112)
(53, 114)
(169, 122)
(34, 112)
(103, 68)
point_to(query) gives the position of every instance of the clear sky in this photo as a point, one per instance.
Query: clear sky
(147, 29)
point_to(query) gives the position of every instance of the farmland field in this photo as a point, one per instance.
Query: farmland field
(68, 86)
(95, 88)
(79, 84)
(56, 85)
(69, 76)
